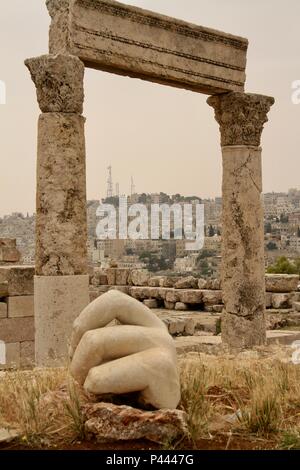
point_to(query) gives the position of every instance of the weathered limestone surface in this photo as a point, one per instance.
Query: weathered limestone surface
(139, 277)
(281, 301)
(9, 255)
(58, 301)
(191, 296)
(61, 225)
(8, 251)
(95, 292)
(202, 283)
(122, 275)
(124, 289)
(16, 280)
(61, 285)
(281, 283)
(126, 40)
(3, 310)
(188, 323)
(150, 303)
(59, 82)
(111, 276)
(241, 118)
(99, 277)
(169, 305)
(12, 356)
(8, 242)
(181, 306)
(16, 330)
(18, 354)
(187, 283)
(296, 306)
(268, 299)
(154, 281)
(8, 435)
(173, 296)
(3, 288)
(212, 297)
(167, 282)
(243, 248)
(138, 355)
(20, 306)
(212, 284)
(59, 34)
(108, 422)
(27, 354)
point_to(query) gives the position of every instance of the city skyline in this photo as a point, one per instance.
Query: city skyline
(197, 196)
(164, 136)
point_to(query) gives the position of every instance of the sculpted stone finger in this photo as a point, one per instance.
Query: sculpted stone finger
(151, 372)
(113, 305)
(110, 343)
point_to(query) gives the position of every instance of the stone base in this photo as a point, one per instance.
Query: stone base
(106, 422)
(239, 332)
(58, 300)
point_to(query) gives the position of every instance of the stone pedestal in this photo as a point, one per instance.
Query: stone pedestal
(241, 118)
(58, 300)
(61, 285)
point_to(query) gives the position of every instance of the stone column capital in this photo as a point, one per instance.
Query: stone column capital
(241, 117)
(59, 82)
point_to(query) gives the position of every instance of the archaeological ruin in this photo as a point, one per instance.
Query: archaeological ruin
(112, 37)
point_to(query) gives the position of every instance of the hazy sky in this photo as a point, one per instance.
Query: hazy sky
(166, 138)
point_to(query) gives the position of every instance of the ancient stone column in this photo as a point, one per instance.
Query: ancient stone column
(241, 118)
(61, 281)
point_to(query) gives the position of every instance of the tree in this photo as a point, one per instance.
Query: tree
(114, 201)
(298, 232)
(284, 219)
(206, 254)
(155, 263)
(145, 255)
(211, 231)
(268, 228)
(204, 267)
(176, 197)
(271, 246)
(143, 198)
(164, 198)
(284, 266)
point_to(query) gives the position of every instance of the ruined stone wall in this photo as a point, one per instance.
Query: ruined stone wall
(187, 305)
(17, 314)
(9, 254)
(281, 290)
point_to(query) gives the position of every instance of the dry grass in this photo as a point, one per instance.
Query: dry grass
(248, 394)
(254, 395)
(43, 405)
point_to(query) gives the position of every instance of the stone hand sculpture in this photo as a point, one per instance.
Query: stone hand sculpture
(137, 355)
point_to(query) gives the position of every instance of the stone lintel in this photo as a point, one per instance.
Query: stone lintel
(126, 40)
